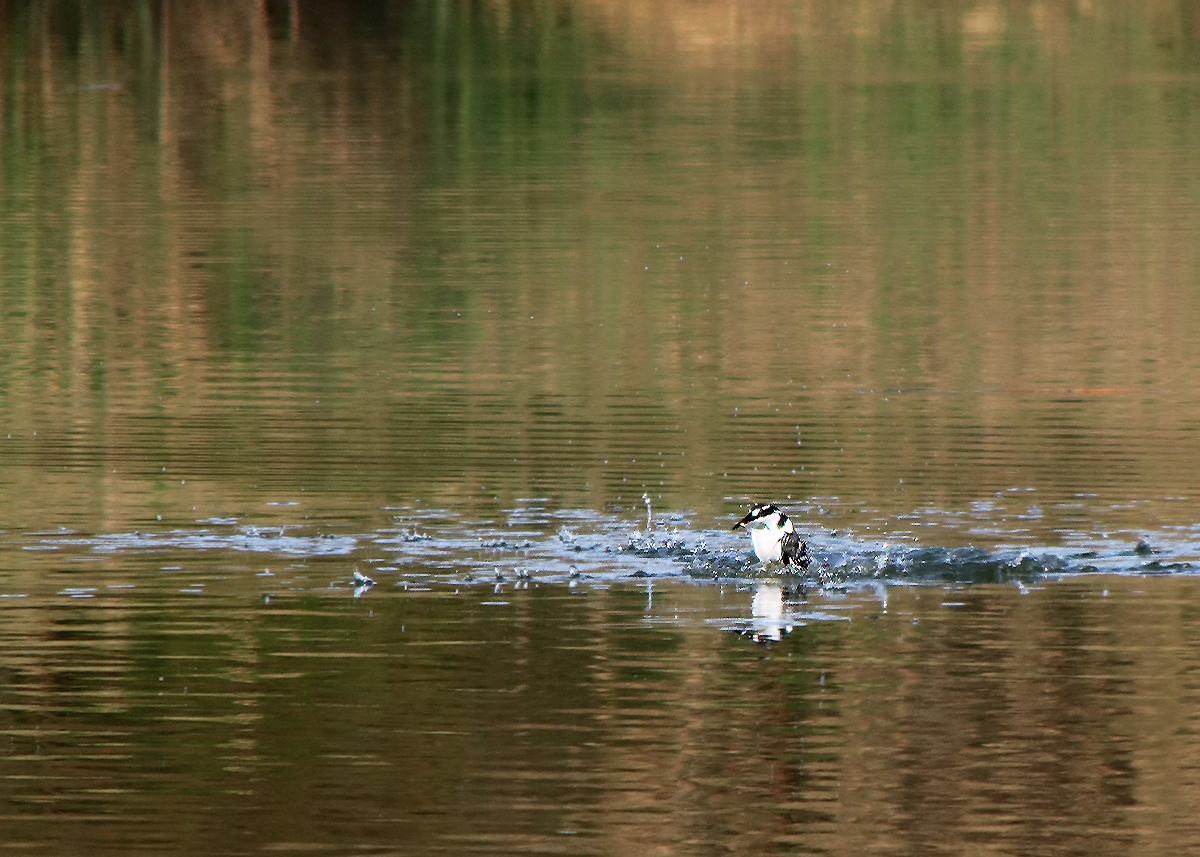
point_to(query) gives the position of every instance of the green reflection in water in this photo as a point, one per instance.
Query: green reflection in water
(896, 257)
(375, 258)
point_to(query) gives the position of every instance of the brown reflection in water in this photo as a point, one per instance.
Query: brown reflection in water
(1053, 722)
(1034, 723)
(472, 253)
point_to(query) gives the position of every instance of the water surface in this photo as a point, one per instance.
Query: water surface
(269, 708)
(438, 292)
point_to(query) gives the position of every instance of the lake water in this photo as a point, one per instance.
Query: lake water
(512, 309)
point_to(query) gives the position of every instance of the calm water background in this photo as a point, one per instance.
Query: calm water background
(438, 291)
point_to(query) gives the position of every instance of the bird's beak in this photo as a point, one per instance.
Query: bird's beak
(749, 517)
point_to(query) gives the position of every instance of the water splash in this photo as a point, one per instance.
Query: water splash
(541, 547)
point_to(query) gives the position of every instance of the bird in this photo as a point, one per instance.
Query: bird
(362, 579)
(362, 584)
(773, 536)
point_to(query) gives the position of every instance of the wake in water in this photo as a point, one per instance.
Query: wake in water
(570, 545)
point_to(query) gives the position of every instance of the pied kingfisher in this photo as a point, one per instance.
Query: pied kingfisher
(773, 536)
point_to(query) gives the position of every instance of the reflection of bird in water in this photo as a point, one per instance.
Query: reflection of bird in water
(768, 614)
(773, 536)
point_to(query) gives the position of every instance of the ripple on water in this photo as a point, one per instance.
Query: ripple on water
(599, 546)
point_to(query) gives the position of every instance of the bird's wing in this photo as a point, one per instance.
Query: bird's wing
(795, 552)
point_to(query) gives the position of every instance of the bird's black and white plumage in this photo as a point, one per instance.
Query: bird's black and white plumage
(773, 536)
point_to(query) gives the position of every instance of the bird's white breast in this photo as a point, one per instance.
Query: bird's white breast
(766, 541)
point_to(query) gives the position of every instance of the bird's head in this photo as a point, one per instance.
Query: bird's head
(758, 512)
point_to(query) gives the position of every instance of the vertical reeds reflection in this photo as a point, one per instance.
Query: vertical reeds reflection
(472, 252)
(1049, 721)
